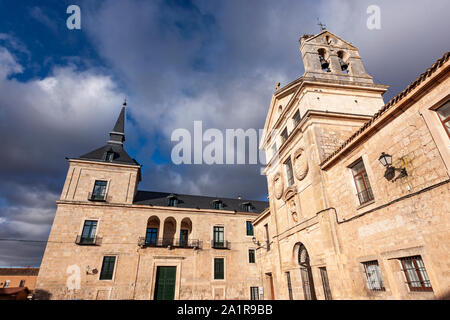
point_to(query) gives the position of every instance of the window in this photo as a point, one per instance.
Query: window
(219, 237)
(219, 268)
(107, 268)
(172, 202)
(296, 118)
(151, 236)
(266, 226)
(289, 173)
(184, 237)
(444, 115)
(99, 190)
(284, 135)
(415, 273)
(109, 156)
(251, 256)
(89, 230)
(249, 228)
(6, 284)
(218, 205)
(373, 275)
(247, 207)
(289, 285)
(362, 182)
(274, 149)
(325, 283)
(22, 283)
(254, 293)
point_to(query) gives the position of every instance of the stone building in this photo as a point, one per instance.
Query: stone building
(358, 189)
(110, 240)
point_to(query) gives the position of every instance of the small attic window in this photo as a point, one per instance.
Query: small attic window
(172, 201)
(218, 204)
(109, 156)
(247, 207)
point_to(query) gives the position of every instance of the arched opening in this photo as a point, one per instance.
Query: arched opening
(170, 228)
(305, 271)
(151, 236)
(324, 64)
(185, 231)
(342, 61)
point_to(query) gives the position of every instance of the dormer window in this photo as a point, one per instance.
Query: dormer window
(217, 204)
(109, 156)
(173, 201)
(247, 207)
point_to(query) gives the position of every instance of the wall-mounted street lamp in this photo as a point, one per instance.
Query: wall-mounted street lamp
(94, 271)
(386, 161)
(255, 241)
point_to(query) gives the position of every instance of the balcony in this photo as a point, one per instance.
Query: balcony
(169, 242)
(220, 244)
(88, 241)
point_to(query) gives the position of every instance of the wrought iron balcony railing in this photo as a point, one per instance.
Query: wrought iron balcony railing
(365, 196)
(166, 242)
(220, 244)
(88, 241)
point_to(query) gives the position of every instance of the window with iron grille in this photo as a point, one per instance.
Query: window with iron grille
(374, 279)
(249, 228)
(364, 192)
(284, 135)
(107, 268)
(296, 118)
(289, 285)
(251, 256)
(219, 268)
(99, 191)
(325, 283)
(415, 274)
(289, 172)
(22, 283)
(444, 115)
(89, 230)
(254, 293)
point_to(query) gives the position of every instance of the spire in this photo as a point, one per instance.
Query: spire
(117, 135)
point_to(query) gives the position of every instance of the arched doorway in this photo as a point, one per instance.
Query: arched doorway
(305, 271)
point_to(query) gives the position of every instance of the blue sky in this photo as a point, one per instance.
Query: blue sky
(176, 62)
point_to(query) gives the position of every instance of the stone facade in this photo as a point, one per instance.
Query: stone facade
(327, 237)
(73, 261)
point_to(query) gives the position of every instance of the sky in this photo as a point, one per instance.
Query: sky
(176, 62)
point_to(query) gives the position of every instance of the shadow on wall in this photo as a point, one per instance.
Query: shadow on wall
(40, 294)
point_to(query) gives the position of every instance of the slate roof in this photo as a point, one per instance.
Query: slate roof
(153, 198)
(19, 271)
(115, 144)
(120, 155)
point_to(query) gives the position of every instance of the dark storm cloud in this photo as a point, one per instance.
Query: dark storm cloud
(214, 61)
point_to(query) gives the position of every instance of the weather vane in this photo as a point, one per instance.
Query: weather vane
(124, 102)
(321, 25)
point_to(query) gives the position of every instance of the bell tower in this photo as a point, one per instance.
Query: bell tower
(326, 56)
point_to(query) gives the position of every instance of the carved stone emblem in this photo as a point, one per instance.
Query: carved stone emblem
(300, 164)
(278, 185)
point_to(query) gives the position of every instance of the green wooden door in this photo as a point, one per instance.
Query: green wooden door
(165, 283)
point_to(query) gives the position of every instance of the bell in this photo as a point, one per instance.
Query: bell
(324, 63)
(344, 66)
